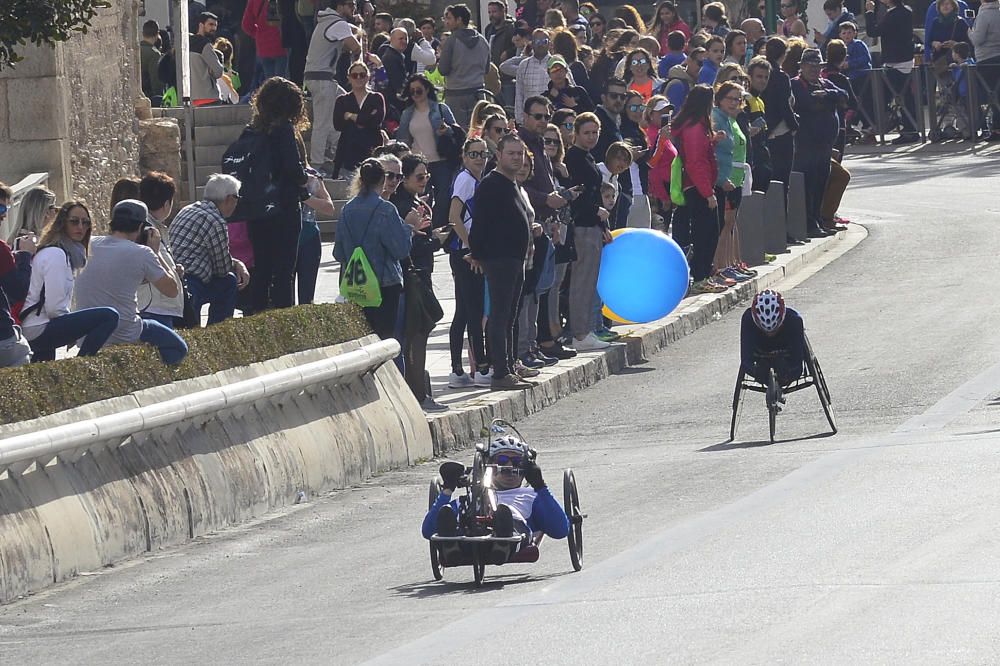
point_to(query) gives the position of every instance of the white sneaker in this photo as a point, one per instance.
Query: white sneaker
(483, 380)
(460, 381)
(590, 343)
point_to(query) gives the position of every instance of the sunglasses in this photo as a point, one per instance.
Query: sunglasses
(358, 75)
(569, 125)
(541, 116)
(500, 129)
(478, 154)
(640, 61)
(635, 108)
(616, 96)
(504, 459)
(78, 221)
(3, 209)
(550, 142)
(389, 175)
(415, 92)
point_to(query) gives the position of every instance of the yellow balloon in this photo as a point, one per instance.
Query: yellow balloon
(612, 316)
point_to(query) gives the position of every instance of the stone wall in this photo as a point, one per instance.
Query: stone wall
(70, 110)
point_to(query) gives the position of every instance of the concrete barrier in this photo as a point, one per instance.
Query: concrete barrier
(775, 233)
(117, 498)
(795, 220)
(750, 225)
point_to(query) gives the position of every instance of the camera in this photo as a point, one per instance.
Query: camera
(143, 238)
(970, 13)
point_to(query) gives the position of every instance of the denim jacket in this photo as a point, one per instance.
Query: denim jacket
(387, 240)
(437, 110)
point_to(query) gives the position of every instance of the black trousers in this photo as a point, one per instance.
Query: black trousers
(505, 279)
(383, 318)
(814, 163)
(469, 296)
(681, 226)
(782, 149)
(275, 250)
(704, 233)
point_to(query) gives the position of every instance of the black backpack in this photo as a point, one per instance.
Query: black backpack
(249, 160)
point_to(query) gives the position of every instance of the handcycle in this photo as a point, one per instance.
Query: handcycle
(812, 375)
(475, 518)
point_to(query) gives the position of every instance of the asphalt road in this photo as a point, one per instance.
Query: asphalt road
(878, 545)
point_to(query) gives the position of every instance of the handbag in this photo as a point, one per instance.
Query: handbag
(422, 309)
(449, 145)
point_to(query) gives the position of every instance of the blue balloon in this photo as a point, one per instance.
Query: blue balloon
(644, 275)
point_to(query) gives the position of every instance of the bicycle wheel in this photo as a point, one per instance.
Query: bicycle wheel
(737, 405)
(772, 401)
(478, 564)
(571, 503)
(432, 495)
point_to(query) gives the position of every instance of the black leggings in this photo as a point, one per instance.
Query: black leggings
(704, 233)
(275, 250)
(469, 302)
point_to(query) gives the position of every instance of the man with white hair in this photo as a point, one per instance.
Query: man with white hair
(200, 240)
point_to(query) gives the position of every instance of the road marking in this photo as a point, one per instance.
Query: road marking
(465, 634)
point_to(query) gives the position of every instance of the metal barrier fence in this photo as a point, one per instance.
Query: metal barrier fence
(948, 104)
(10, 226)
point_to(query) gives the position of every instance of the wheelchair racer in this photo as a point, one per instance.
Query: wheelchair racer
(520, 511)
(772, 336)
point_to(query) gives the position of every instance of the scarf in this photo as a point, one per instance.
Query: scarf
(76, 252)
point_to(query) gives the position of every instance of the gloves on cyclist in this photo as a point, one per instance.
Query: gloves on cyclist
(533, 475)
(451, 472)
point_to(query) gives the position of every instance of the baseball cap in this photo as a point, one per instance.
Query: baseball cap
(663, 105)
(130, 211)
(556, 61)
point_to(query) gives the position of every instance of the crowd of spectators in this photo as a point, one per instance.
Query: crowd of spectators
(516, 149)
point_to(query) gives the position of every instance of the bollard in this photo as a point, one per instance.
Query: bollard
(774, 218)
(796, 224)
(750, 226)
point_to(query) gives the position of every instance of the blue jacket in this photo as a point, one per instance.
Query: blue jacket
(709, 70)
(372, 222)
(438, 111)
(859, 59)
(932, 13)
(546, 515)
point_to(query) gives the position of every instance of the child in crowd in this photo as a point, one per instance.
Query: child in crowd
(961, 54)
(715, 53)
(675, 53)
(859, 58)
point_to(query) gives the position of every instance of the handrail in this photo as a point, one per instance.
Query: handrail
(20, 451)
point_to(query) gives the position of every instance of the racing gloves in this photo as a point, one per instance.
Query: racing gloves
(533, 475)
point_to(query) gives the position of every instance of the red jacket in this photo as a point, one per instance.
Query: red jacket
(694, 145)
(266, 36)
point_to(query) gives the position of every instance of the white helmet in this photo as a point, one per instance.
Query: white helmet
(768, 310)
(509, 443)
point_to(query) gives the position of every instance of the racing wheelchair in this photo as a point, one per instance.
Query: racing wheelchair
(475, 517)
(812, 375)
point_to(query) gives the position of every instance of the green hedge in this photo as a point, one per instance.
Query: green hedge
(46, 388)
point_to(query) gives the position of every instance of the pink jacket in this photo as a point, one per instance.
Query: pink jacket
(266, 36)
(694, 145)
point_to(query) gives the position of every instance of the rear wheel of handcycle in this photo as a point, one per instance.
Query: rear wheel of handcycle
(478, 564)
(432, 495)
(571, 502)
(772, 402)
(737, 405)
(812, 363)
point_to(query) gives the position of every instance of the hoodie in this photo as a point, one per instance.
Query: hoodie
(985, 33)
(465, 57)
(206, 68)
(678, 84)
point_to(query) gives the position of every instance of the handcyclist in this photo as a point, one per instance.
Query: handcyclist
(772, 336)
(520, 511)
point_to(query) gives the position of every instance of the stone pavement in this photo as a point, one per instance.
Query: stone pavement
(472, 409)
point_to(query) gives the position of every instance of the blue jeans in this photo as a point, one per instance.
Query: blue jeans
(220, 294)
(171, 346)
(94, 325)
(166, 320)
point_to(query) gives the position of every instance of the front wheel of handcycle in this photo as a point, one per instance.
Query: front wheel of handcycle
(478, 564)
(571, 502)
(772, 401)
(432, 495)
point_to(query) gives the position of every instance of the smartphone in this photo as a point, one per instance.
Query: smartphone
(759, 122)
(970, 13)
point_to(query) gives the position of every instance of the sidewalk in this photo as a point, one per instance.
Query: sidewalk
(472, 409)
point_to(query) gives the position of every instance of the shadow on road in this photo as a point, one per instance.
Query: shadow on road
(466, 584)
(729, 444)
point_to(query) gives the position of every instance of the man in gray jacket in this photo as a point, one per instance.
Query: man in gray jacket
(206, 62)
(465, 59)
(985, 38)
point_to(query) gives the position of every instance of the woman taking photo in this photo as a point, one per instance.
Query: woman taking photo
(425, 123)
(277, 111)
(693, 136)
(896, 31)
(47, 321)
(667, 20)
(358, 116)
(469, 282)
(731, 156)
(372, 223)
